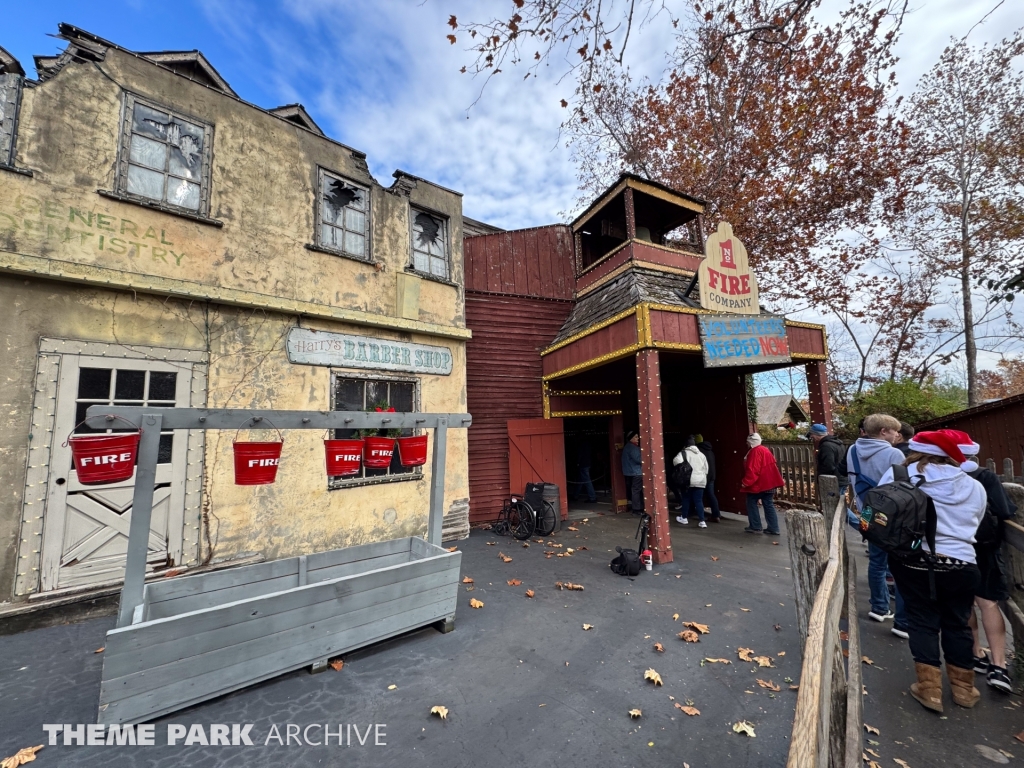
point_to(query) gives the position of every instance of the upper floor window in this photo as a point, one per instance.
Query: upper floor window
(429, 244)
(343, 215)
(10, 96)
(165, 157)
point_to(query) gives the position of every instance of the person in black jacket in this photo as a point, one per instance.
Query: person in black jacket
(709, 490)
(993, 588)
(906, 432)
(831, 454)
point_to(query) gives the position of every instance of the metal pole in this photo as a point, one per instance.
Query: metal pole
(142, 512)
(437, 467)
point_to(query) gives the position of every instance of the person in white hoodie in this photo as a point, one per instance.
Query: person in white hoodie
(943, 613)
(694, 494)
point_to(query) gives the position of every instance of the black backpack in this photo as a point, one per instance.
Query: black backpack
(898, 516)
(990, 529)
(681, 473)
(627, 563)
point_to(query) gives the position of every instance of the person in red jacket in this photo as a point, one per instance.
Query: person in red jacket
(761, 477)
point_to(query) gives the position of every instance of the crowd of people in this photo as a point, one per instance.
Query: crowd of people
(930, 595)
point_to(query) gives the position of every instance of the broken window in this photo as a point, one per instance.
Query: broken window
(10, 97)
(343, 215)
(166, 157)
(429, 244)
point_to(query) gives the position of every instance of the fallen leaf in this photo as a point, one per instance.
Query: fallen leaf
(554, 545)
(718, 575)
(22, 756)
(689, 636)
(337, 665)
(691, 711)
(569, 551)
(587, 626)
(744, 727)
(745, 654)
(778, 627)
(794, 687)
(872, 752)
(453, 549)
(675, 617)
(470, 588)
(775, 543)
(867, 661)
(392, 687)
(467, 580)
(542, 705)
(764, 661)
(707, 605)
(871, 729)
(513, 582)
(474, 603)
(100, 650)
(901, 763)
(1020, 737)
(844, 636)
(440, 711)
(650, 743)
(768, 684)
(504, 558)
(653, 676)
(526, 545)
(745, 610)
(570, 586)
(781, 653)
(549, 552)
(714, 558)
(530, 593)
(586, 520)
(846, 653)
(581, 549)
(718, 661)
(702, 628)
(172, 572)
(571, 528)
(491, 543)
(634, 712)
(1006, 753)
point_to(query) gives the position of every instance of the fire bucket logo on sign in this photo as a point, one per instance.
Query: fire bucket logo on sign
(726, 282)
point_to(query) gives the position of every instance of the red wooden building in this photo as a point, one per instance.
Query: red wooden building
(581, 332)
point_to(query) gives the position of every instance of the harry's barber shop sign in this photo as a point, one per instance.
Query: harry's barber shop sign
(341, 350)
(726, 282)
(738, 340)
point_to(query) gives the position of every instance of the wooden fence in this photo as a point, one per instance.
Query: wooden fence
(799, 471)
(828, 723)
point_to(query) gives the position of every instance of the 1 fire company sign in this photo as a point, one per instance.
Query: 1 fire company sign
(726, 282)
(739, 340)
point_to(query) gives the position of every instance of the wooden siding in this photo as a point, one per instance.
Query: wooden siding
(503, 381)
(674, 327)
(536, 454)
(640, 252)
(606, 341)
(997, 427)
(526, 262)
(808, 341)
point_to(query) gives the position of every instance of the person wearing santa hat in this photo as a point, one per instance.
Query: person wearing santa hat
(993, 587)
(942, 615)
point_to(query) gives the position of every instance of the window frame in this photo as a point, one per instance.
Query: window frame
(446, 243)
(335, 483)
(124, 151)
(318, 217)
(9, 124)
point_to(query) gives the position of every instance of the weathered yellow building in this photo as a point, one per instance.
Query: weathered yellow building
(164, 242)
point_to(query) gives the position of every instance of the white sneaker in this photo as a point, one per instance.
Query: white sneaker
(702, 524)
(881, 616)
(682, 520)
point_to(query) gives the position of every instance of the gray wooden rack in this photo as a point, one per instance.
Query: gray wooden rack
(184, 640)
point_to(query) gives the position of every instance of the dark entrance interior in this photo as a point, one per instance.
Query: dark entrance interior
(588, 436)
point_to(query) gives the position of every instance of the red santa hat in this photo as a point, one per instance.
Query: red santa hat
(967, 446)
(942, 442)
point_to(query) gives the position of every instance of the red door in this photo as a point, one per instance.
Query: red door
(536, 454)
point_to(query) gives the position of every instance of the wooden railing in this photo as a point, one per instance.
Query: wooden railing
(799, 471)
(828, 721)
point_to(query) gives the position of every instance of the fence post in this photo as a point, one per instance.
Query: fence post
(808, 554)
(1007, 470)
(828, 497)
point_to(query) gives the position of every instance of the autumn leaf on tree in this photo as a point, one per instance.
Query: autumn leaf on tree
(769, 685)
(440, 711)
(22, 756)
(633, 713)
(702, 628)
(474, 603)
(513, 582)
(689, 636)
(744, 727)
(653, 676)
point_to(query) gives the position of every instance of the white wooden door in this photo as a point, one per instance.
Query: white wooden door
(85, 536)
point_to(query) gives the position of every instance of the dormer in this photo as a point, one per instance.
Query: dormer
(194, 66)
(296, 113)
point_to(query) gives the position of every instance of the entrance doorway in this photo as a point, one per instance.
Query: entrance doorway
(588, 443)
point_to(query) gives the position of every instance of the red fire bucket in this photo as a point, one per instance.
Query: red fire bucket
(256, 463)
(377, 452)
(343, 456)
(412, 451)
(107, 458)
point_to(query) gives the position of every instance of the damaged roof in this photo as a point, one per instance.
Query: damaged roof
(634, 286)
(9, 65)
(296, 113)
(193, 65)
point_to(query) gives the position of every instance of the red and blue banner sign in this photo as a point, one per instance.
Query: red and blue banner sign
(743, 340)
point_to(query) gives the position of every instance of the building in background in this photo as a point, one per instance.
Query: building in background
(164, 242)
(780, 411)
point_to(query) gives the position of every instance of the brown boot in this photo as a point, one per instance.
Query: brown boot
(928, 688)
(962, 683)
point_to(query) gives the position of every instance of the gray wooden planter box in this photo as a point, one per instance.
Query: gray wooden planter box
(198, 637)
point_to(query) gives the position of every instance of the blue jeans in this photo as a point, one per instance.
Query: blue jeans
(585, 484)
(767, 498)
(692, 497)
(878, 567)
(709, 494)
